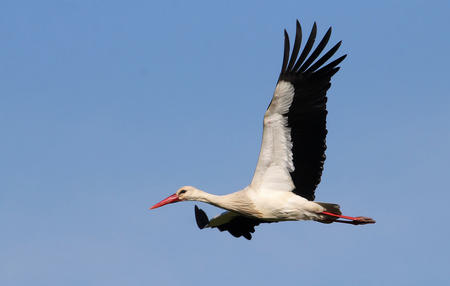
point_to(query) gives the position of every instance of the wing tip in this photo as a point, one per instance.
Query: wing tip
(201, 218)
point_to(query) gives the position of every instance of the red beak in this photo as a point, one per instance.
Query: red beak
(169, 200)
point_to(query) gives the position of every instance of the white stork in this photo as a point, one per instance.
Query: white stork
(292, 154)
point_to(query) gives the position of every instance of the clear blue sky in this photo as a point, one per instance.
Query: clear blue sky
(107, 108)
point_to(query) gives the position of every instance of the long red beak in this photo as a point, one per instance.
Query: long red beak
(169, 200)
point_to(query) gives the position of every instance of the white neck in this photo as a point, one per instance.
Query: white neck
(218, 201)
(236, 202)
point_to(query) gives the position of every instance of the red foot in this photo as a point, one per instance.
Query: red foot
(353, 220)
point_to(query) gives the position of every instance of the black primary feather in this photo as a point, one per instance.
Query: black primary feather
(307, 113)
(307, 48)
(297, 43)
(238, 226)
(201, 218)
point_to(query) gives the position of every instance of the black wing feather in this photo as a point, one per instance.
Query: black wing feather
(238, 226)
(325, 57)
(307, 49)
(201, 218)
(286, 51)
(297, 43)
(307, 113)
(331, 65)
(317, 51)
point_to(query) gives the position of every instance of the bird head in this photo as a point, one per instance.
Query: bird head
(186, 193)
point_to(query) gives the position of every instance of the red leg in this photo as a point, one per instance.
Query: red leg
(353, 220)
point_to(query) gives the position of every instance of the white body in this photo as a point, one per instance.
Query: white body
(269, 196)
(266, 206)
(279, 206)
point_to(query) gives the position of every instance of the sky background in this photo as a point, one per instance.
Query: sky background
(108, 107)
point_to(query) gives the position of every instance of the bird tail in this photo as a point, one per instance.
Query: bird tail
(331, 208)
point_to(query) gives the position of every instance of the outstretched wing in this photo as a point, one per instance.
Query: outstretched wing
(293, 145)
(234, 223)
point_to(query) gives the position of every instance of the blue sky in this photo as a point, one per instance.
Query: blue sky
(108, 107)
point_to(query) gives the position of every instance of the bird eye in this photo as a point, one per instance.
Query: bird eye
(182, 192)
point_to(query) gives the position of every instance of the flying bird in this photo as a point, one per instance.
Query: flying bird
(292, 154)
